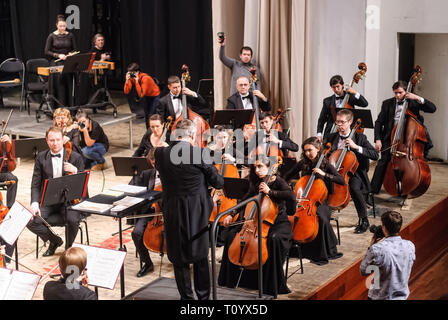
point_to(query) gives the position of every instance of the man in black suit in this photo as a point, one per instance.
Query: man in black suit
(389, 115)
(359, 181)
(51, 164)
(187, 206)
(244, 98)
(332, 103)
(171, 104)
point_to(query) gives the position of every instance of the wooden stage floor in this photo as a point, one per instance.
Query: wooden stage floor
(101, 228)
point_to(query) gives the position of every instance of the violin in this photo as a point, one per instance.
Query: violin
(8, 160)
(154, 236)
(229, 171)
(243, 250)
(310, 193)
(250, 129)
(202, 126)
(344, 161)
(356, 77)
(408, 173)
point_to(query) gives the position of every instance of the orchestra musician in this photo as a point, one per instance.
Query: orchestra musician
(102, 54)
(186, 209)
(323, 247)
(51, 164)
(387, 118)
(332, 103)
(224, 150)
(279, 236)
(152, 138)
(171, 104)
(244, 97)
(72, 262)
(142, 91)
(359, 182)
(58, 46)
(63, 119)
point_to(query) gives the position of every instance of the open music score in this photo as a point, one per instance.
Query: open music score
(97, 65)
(17, 285)
(14, 223)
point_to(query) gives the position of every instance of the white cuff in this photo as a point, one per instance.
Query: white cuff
(357, 95)
(422, 101)
(35, 205)
(319, 134)
(360, 150)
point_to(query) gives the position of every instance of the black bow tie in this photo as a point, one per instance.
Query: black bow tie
(246, 97)
(340, 98)
(56, 155)
(177, 97)
(400, 103)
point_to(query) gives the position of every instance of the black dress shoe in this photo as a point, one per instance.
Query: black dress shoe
(52, 248)
(363, 227)
(145, 269)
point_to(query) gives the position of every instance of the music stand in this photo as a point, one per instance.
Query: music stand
(29, 147)
(288, 164)
(235, 188)
(366, 118)
(63, 190)
(129, 166)
(235, 118)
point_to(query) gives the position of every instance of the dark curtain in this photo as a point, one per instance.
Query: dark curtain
(162, 35)
(33, 21)
(6, 44)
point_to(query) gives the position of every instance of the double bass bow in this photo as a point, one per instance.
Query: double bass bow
(310, 193)
(243, 250)
(345, 161)
(345, 104)
(8, 160)
(202, 126)
(408, 173)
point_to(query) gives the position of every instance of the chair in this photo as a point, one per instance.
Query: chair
(335, 218)
(297, 246)
(34, 83)
(13, 66)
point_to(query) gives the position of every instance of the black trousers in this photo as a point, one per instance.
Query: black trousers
(380, 171)
(11, 190)
(356, 185)
(201, 274)
(54, 215)
(137, 237)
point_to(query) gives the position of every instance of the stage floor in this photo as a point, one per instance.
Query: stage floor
(101, 228)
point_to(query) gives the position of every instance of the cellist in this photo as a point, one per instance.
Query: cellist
(359, 182)
(387, 118)
(278, 240)
(323, 247)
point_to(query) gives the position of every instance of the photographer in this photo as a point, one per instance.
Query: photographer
(142, 91)
(390, 256)
(94, 143)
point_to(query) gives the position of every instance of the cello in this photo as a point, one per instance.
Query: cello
(202, 126)
(408, 173)
(310, 193)
(243, 251)
(345, 161)
(8, 160)
(154, 236)
(356, 77)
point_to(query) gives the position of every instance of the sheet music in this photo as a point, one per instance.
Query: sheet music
(16, 285)
(129, 189)
(14, 223)
(103, 265)
(92, 207)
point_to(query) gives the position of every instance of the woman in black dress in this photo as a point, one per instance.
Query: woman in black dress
(278, 240)
(58, 46)
(153, 138)
(323, 247)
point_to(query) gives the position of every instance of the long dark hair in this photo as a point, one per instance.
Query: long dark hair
(308, 165)
(253, 177)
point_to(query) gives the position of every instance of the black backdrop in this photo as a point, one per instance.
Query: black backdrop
(160, 35)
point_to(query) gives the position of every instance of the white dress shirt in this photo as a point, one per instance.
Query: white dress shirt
(247, 104)
(58, 164)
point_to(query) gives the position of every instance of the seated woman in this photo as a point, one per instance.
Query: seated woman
(323, 247)
(63, 119)
(71, 263)
(153, 137)
(278, 239)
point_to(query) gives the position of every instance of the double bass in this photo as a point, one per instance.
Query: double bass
(243, 250)
(310, 193)
(8, 160)
(356, 77)
(408, 173)
(202, 126)
(250, 129)
(345, 162)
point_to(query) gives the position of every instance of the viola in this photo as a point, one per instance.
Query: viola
(202, 126)
(408, 173)
(345, 162)
(310, 193)
(154, 236)
(243, 250)
(356, 77)
(8, 160)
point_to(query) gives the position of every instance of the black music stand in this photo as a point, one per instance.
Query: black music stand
(26, 148)
(234, 118)
(288, 164)
(366, 118)
(235, 188)
(63, 190)
(129, 166)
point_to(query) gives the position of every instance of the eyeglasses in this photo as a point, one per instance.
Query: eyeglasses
(341, 121)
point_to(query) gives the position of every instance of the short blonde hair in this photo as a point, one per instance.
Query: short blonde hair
(63, 112)
(73, 256)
